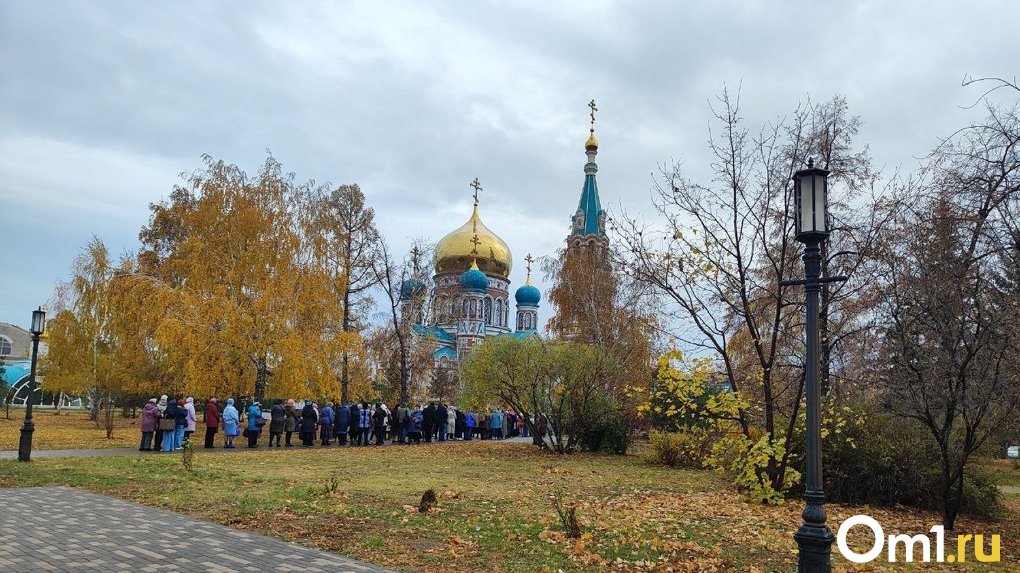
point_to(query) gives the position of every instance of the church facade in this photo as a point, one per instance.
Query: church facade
(470, 298)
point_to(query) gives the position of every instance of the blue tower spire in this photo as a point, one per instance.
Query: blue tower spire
(590, 218)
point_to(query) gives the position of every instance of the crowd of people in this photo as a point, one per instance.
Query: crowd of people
(167, 423)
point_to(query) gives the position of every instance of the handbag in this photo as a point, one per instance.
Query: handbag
(167, 424)
(245, 432)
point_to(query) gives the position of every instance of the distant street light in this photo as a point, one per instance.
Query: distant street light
(25, 446)
(814, 538)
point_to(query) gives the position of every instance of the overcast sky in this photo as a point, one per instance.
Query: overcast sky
(103, 104)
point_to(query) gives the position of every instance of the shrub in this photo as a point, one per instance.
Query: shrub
(980, 493)
(745, 462)
(884, 460)
(604, 427)
(688, 449)
(567, 512)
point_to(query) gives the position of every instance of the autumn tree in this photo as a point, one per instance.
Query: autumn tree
(247, 297)
(595, 304)
(85, 348)
(403, 282)
(721, 250)
(560, 383)
(347, 241)
(951, 302)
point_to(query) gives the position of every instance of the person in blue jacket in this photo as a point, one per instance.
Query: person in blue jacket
(342, 423)
(326, 421)
(231, 424)
(255, 423)
(469, 425)
(496, 424)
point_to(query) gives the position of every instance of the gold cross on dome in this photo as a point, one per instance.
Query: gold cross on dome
(475, 240)
(477, 186)
(591, 105)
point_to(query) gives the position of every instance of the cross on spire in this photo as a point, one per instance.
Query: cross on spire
(591, 105)
(477, 186)
(415, 253)
(528, 259)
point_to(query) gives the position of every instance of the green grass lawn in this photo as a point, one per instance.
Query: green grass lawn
(495, 511)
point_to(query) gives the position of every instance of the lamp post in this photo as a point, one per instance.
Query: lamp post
(814, 538)
(25, 446)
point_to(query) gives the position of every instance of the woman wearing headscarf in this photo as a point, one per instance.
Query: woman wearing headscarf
(231, 423)
(277, 419)
(326, 424)
(212, 422)
(168, 435)
(290, 419)
(255, 423)
(342, 423)
(191, 419)
(414, 426)
(451, 422)
(309, 417)
(161, 408)
(150, 419)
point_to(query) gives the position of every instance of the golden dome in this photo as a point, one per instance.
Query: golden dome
(454, 251)
(592, 143)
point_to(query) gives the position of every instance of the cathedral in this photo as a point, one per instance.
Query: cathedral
(470, 298)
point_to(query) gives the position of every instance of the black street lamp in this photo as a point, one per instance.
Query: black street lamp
(25, 446)
(814, 538)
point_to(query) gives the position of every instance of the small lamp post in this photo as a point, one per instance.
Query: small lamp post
(814, 538)
(25, 446)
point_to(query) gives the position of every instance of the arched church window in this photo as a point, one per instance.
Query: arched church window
(6, 348)
(465, 313)
(498, 313)
(488, 310)
(506, 313)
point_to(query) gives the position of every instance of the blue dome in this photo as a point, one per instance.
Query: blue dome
(474, 279)
(409, 288)
(528, 295)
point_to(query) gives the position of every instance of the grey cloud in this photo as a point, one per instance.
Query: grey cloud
(102, 104)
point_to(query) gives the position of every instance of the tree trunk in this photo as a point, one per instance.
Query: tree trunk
(952, 500)
(94, 406)
(405, 372)
(108, 408)
(345, 378)
(261, 377)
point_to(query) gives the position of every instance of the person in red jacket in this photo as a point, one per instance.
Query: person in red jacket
(212, 422)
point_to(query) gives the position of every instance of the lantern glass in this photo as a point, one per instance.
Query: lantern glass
(38, 321)
(811, 201)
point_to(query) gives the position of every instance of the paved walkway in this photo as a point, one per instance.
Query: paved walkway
(64, 529)
(115, 452)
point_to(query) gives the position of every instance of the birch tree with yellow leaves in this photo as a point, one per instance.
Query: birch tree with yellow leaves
(247, 305)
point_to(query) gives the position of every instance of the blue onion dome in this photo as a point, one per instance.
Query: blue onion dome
(409, 288)
(528, 295)
(474, 279)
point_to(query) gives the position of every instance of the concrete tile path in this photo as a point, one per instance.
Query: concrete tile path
(65, 529)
